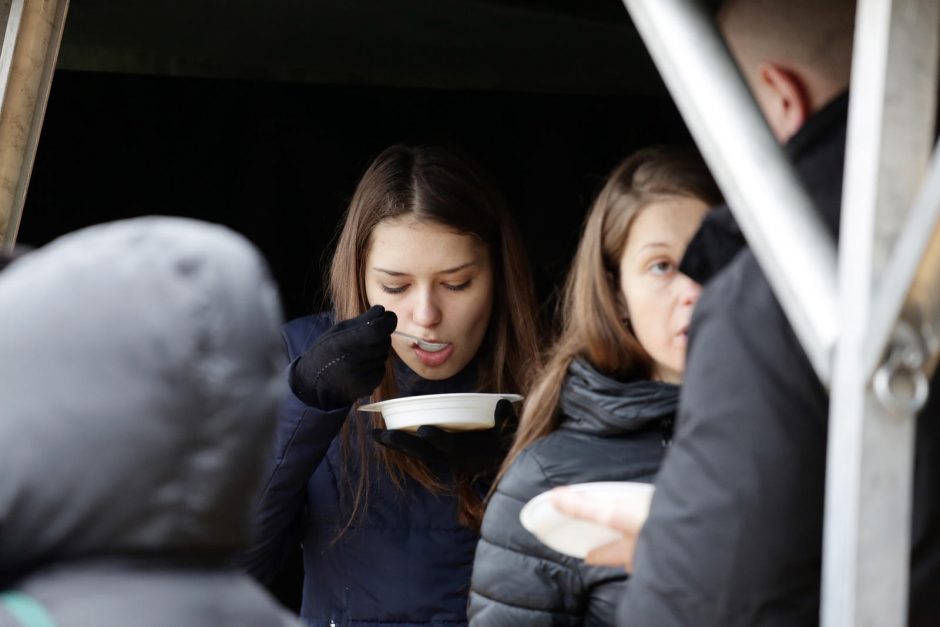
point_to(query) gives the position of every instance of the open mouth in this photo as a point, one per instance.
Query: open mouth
(430, 346)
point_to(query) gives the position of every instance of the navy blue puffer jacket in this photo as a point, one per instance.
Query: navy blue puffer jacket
(406, 561)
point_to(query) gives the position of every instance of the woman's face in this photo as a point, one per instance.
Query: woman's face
(659, 299)
(440, 285)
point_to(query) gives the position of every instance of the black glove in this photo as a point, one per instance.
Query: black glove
(475, 453)
(345, 363)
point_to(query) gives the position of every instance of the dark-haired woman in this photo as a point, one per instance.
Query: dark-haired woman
(389, 521)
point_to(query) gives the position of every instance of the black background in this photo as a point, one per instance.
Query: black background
(278, 161)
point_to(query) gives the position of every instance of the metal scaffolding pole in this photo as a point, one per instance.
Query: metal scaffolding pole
(866, 557)
(769, 203)
(27, 61)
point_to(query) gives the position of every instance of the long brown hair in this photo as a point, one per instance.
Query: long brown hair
(434, 184)
(591, 306)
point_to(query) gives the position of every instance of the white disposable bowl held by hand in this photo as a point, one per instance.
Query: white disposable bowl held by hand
(574, 536)
(451, 412)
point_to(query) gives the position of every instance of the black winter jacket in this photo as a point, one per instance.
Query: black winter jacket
(734, 536)
(611, 431)
(406, 561)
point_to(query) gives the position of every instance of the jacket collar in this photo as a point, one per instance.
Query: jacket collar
(594, 403)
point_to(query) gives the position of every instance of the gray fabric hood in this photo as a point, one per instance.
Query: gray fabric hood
(139, 379)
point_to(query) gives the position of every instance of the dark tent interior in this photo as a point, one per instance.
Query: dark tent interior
(262, 115)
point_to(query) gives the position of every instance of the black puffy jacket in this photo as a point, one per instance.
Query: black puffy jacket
(611, 431)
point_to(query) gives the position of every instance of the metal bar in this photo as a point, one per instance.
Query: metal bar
(910, 285)
(866, 547)
(27, 61)
(769, 203)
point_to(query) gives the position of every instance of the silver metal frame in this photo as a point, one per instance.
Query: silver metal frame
(33, 31)
(866, 557)
(880, 338)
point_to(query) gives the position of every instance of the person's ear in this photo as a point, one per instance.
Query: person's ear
(784, 100)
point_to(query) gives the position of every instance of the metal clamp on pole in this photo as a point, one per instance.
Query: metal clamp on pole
(900, 384)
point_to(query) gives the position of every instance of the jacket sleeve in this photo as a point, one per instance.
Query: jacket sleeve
(303, 436)
(519, 581)
(735, 529)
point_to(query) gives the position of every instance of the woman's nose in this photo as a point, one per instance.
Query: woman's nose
(689, 290)
(426, 312)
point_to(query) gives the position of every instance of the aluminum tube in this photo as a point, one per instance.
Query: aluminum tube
(866, 544)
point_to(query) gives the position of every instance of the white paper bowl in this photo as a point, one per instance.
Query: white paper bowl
(451, 412)
(574, 536)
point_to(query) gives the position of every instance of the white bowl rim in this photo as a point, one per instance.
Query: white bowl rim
(407, 400)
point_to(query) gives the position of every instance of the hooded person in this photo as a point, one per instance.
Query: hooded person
(139, 381)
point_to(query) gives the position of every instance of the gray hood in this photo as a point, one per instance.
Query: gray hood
(139, 381)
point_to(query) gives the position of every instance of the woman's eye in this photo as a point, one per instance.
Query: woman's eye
(457, 288)
(388, 289)
(662, 267)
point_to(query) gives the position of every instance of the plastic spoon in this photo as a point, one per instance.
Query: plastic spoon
(431, 347)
